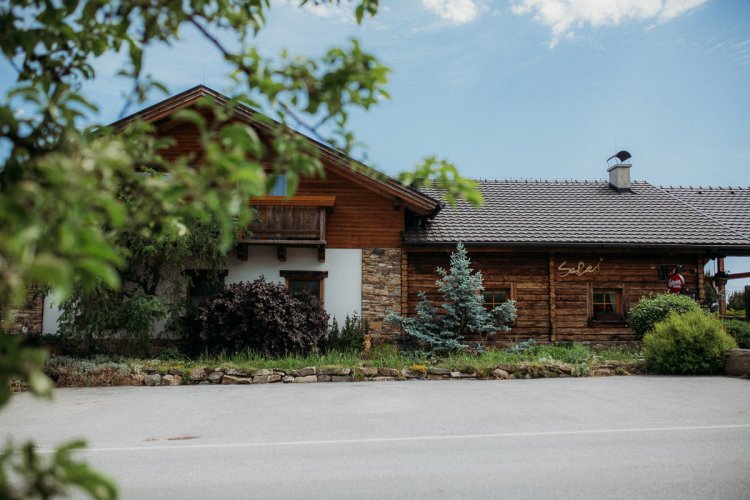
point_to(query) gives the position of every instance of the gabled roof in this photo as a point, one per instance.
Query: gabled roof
(417, 201)
(591, 213)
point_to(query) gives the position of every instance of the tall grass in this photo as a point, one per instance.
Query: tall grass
(380, 356)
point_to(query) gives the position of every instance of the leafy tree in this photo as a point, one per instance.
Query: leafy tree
(152, 292)
(72, 192)
(463, 310)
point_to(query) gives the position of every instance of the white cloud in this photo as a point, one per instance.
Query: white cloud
(343, 12)
(454, 11)
(563, 16)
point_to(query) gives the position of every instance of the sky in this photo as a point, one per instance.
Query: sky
(521, 89)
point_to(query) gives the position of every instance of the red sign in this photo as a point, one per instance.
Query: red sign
(675, 283)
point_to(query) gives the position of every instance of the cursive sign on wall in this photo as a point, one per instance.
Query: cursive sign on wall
(580, 269)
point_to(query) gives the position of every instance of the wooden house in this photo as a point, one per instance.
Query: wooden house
(574, 256)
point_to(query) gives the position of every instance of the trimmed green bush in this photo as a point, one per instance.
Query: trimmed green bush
(740, 330)
(653, 309)
(693, 343)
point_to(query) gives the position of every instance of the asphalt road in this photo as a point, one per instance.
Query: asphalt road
(616, 437)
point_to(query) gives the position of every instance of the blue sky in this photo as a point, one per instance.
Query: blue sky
(524, 88)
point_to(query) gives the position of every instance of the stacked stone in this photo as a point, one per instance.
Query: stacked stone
(381, 290)
(28, 318)
(313, 374)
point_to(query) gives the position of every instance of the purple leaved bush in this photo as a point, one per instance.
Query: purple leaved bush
(263, 317)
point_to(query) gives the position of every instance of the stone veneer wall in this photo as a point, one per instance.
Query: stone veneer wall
(381, 290)
(28, 318)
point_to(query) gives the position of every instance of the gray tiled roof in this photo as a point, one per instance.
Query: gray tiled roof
(729, 205)
(589, 212)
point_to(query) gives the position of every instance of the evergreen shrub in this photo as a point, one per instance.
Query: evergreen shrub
(653, 309)
(462, 313)
(263, 317)
(693, 343)
(740, 331)
(349, 338)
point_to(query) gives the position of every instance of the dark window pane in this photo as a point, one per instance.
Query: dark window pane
(312, 286)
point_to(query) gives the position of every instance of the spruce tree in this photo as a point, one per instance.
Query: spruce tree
(463, 310)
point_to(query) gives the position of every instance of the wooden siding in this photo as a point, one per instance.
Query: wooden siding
(526, 275)
(559, 308)
(361, 218)
(186, 140)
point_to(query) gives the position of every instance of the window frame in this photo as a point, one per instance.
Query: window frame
(507, 289)
(511, 288)
(619, 316)
(319, 276)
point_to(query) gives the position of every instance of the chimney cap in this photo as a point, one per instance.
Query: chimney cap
(622, 156)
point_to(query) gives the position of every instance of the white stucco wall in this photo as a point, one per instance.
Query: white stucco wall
(50, 315)
(342, 292)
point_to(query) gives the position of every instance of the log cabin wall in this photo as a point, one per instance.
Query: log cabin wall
(525, 274)
(553, 292)
(631, 275)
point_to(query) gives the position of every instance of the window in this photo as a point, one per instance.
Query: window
(203, 284)
(279, 186)
(312, 281)
(607, 304)
(495, 296)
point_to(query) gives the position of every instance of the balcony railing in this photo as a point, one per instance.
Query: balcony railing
(287, 225)
(282, 222)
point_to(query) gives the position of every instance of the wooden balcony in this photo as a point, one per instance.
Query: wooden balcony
(283, 222)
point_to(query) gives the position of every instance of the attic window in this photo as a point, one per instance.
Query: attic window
(279, 186)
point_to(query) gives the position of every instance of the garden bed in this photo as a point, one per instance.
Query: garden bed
(383, 364)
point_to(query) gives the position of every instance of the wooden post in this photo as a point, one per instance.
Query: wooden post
(722, 289)
(552, 325)
(700, 295)
(404, 284)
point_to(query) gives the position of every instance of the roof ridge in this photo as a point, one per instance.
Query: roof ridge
(548, 181)
(704, 214)
(709, 188)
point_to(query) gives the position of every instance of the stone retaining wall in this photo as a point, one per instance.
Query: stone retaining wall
(381, 290)
(738, 363)
(313, 374)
